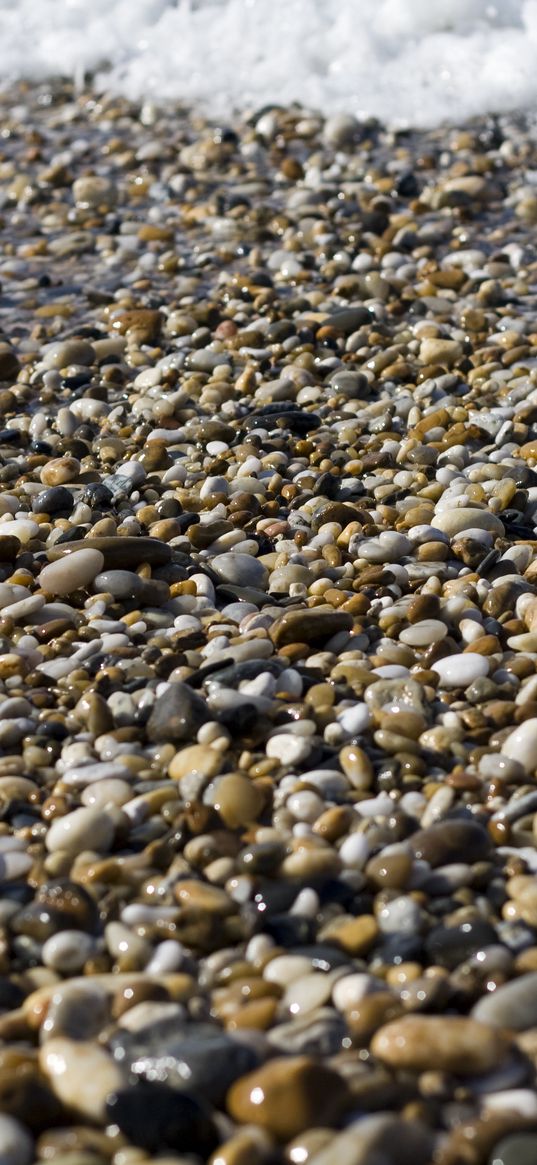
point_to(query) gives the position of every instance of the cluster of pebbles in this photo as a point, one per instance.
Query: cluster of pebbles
(268, 638)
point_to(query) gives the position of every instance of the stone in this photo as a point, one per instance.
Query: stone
(64, 352)
(288, 1095)
(312, 625)
(83, 829)
(515, 1149)
(371, 1140)
(199, 1057)
(521, 745)
(196, 759)
(16, 1145)
(67, 951)
(237, 799)
(451, 841)
(55, 500)
(242, 569)
(82, 1076)
(456, 520)
(119, 553)
(420, 1043)
(177, 715)
(440, 351)
(71, 573)
(158, 1118)
(460, 670)
(93, 192)
(512, 1005)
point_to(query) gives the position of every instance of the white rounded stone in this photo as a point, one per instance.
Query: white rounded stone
(81, 1075)
(458, 671)
(67, 951)
(521, 745)
(83, 829)
(71, 572)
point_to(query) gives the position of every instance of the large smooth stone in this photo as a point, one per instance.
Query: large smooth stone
(456, 520)
(441, 1043)
(451, 841)
(288, 1095)
(313, 625)
(158, 1118)
(72, 572)
(242, 569)
(460, 670)
(83, 829)
(200, 1057)
(121, 553)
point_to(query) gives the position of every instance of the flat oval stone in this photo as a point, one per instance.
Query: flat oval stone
(451, 841)
(312, 625)
(454, 521)
(119, 552)
(286, 1096)
(83, 829)
(241, 569)
(513, 1005)
(442, 1043)
(72, 572)
(460, 670)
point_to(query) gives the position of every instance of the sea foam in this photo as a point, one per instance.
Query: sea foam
(416, 62)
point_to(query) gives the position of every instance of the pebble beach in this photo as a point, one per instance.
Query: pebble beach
(268, 637)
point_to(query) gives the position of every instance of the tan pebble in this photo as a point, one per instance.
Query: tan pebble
(257, 1014)
(287, 1096)
(199, 896)
(448, 1043)
(237, 799)
(354, 935)
(356, 766)
(246, 1147)
(59, 470)
(364, 1018)
(389, 871)
(196, 759)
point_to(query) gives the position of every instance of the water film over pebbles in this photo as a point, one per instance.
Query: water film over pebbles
(268, 638)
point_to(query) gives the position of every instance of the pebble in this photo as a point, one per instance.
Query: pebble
(286, 1096)
(83, 829)
(459, 671)
(512, 1005)
(267, 635)
(81, 1075)
(456, 1044)
(72, 572)
(521, 745)
(16, 1145)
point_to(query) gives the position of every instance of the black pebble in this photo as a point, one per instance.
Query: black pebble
(158, 1118)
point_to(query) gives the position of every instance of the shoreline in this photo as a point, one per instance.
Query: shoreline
(268, 623)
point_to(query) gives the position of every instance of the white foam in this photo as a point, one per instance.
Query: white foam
(405, 61)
